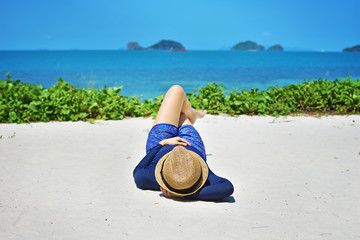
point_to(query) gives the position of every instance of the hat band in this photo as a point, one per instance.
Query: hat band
(181, 191)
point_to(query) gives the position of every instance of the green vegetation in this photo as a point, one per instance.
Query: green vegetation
(22, 102)
(313, 97)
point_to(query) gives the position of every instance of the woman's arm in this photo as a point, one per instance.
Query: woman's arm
(215, 189)
(144, 172)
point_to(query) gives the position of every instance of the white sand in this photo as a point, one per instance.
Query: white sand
(294, 178)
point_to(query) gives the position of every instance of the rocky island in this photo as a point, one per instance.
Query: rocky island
(168, 45)
(248, 46)
(276, 47)
(352, 49)
(133, 46)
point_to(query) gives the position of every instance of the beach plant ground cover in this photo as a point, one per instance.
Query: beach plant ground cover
(23, 102)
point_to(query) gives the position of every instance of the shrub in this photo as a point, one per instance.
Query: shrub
(23, 102)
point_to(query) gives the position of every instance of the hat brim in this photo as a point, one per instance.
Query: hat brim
(204, 175)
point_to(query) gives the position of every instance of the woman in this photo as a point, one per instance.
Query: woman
(175, 160)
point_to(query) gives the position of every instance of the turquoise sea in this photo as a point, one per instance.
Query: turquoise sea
(151, 73)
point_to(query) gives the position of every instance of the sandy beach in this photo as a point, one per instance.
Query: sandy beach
(294, 178)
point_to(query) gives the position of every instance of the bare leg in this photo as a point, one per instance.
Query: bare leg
(184, 120)
(174, 105)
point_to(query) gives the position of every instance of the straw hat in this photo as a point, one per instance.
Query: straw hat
(181, 171)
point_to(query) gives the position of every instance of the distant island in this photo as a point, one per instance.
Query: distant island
(248, 46)
(175, 46)
(168, 45)
(352, 49)
(276, 47)
(134, 46)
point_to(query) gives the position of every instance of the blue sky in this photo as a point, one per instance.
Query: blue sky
(328, 25)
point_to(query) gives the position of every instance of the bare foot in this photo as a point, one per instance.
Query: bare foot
(200, 113)
(197, 114)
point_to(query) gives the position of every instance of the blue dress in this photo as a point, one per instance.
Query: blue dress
(214, 189)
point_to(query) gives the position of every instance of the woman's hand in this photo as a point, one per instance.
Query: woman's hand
(168, 194)
(175, 141)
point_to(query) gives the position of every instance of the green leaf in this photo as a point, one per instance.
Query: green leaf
(33, 107)
(110, 91)
(2, 84)
(205, 102)
(12, 115)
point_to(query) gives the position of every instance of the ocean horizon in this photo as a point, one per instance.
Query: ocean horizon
(151, 73)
